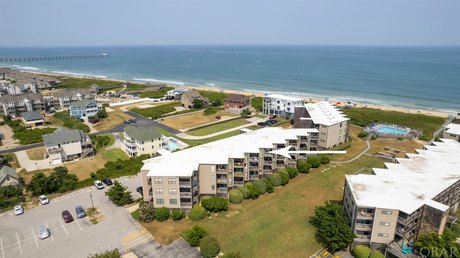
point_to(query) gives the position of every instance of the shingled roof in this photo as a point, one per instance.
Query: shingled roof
(7, 171)
(62, 136)
(240, 98)
(142, 133)
(31, 116)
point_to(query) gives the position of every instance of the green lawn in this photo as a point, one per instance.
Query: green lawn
(193, 143)
(156, 94)
(73, 82)
(158, 111)
(276, 225)
(205, 130)
(114, 155)
(365, 116)
(213, 95)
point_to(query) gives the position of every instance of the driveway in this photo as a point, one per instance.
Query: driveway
(31, 165)
(80, 238)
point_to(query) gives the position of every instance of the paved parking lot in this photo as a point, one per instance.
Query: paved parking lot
(19, 234)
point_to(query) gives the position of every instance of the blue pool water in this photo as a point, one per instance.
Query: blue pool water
(172, 146)
(391, 130)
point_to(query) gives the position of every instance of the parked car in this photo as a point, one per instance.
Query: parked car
(107, 182)
(127, 121)
(218, 117)
(43, 231)
(80, 212)
(133, 120)
(43, 199)
(98, 185)
(261, 124)
(18, 210)
(67, 216)
(140, 190)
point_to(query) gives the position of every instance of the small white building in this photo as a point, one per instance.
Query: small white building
(452, 131)
(280, 105)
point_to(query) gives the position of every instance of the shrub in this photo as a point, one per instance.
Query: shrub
(303, 166)
(107, 254)
(252, 191)
(71, 122)
(292, 171)
(324, 159)
(257, 103)
(209, 247)
(376, 254)
(162, 214)
(198, 103)
(246, 113)
(158, 111)
(361, 251)
(284, 176)
(275, 179)
(363, 134)
(244, 191)
(261, 186)
(197, 213)
(314, 161)
(235, 196)
(194, 235)
(215, 204)
(10, 195)
(373, 137)
(146, 212)
(136, 214)
(58, 181)
(177, 215)
(456, 229)
(270, 188)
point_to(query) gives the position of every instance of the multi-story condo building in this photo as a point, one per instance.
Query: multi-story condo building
(83, 108)
(452, 131)
(63, 98)
(14, 105)
(280, 105)
(332, 124)
(142, 140)
(65, 144)
(176, 180)
(396, 204)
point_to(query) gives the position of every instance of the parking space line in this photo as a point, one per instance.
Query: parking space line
(52, 238)
(62, 224)
(1, 245)
(19, 242)
(78, 224)
(36, 242)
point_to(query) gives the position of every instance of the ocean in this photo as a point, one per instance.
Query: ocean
(410, 77)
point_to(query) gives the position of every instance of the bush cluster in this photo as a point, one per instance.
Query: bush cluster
(100, 140)
(177, 214)
(158, 111)
(275, 179)
(71, 122)
(58, 181)
(194, 235)
(284, 176)
(303, 166)
(215, 204)
(209, 247)
(24, 135)
(235, 196)
(362, 251)
(197, 213)
(261, 186)
(10, 196)
(314, 161)
(292, 171)
(211, 110)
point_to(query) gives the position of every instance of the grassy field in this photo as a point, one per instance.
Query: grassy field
(73, 82)
(192, 120)
(114, 155)
(36, 154)
(365, 116)
(156, 94)
(192, 143)
(217, 127)
(116, 117)
(158, 111)
(213, 95)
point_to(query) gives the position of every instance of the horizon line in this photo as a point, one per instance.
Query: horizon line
(236, 45)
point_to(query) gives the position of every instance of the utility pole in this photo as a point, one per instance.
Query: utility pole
(91, 197)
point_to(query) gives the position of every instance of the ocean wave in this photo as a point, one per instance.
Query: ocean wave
(79, 74)
(159, 81)
(29, 68)
(210, 84)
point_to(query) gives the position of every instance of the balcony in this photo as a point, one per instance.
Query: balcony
(238, 174)
(363, 239)
(221, 171)
(363, 227)
(184, 183)
(402, 221)
(400, 231)
(364, 216)
(238, 183)
(129, 144)
(254, 159)
(221, 190)
(186, 204)
(221, 180)
(253, 177)
(238, 164)
(186, 194)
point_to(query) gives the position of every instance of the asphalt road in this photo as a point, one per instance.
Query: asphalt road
(140, 122)
(80, 238)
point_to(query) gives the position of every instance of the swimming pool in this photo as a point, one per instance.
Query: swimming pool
(172, 146)
(391, 130)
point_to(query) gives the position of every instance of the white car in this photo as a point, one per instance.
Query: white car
(43, 199)
(99, 184)
(18, 210)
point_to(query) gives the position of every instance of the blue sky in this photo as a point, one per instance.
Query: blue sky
(190, 22)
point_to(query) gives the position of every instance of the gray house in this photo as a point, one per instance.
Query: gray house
(65, 144)
(8, 176)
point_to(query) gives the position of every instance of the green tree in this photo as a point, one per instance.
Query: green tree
(162, 214)
(256, 103)
(275, 179)
(303, 166)
(101, 113)
(197, 103)
(284, 177)
(119, 195)
(244, 191)
(324, 159)
(376, 254)
(252, 191)
(270, 188)
(331, 226)
(314, 161)
(194, 235)
(292, 171)
(209, 247)
(217, 102)
(246, 113)
(361, 251)
(432, 245)
(37, 184)
(10, 196)
(197, 213)
(261, 186)
(107, 254)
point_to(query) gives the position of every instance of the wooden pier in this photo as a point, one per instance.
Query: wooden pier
(50, 58)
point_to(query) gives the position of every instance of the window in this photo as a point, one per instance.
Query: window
(172, 191)
(387, 212)
(384, 223)
(213, 179)
(160, 201)
(159, 191)
(213, 187)
(382, 235)
(158, 181)
(173, 201)
(171, 181)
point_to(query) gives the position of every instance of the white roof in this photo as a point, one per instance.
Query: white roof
(283, 97)
(324, 113)
(184, 162)
(453, 129)
(411, 183)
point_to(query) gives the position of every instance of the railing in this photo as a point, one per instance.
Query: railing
(362, 239)
(221, 171)
(254, 159)
(185, 194)
(221, 190)
(184, 183)
(239, 174)
(402, 221)
(254, 177)
(238, 182)
(129, 143)
(238, 164)
(185, 204)
(222, 180)
(364, 227)
(361, 215)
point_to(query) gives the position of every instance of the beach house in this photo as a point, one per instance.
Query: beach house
(235, 103)
(65, 144)
(83, 108)
(178, 179)
(280, 105)
(394, 205)
(332, 124)
(142, 140)
(189, 97)
(8, 176)
(32, 119)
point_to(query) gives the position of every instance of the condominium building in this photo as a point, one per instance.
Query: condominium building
(176, 180)
(14, 105)
(142, 140)
(452, 131)
(396, 204)
(280, 105)
(63, 98)
(332, 124)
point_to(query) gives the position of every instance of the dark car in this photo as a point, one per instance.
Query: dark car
(107, 182)
(268, 122)
(140, 190)
(261, 123)
(133, 120)
(80, 212)
(67, 216)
